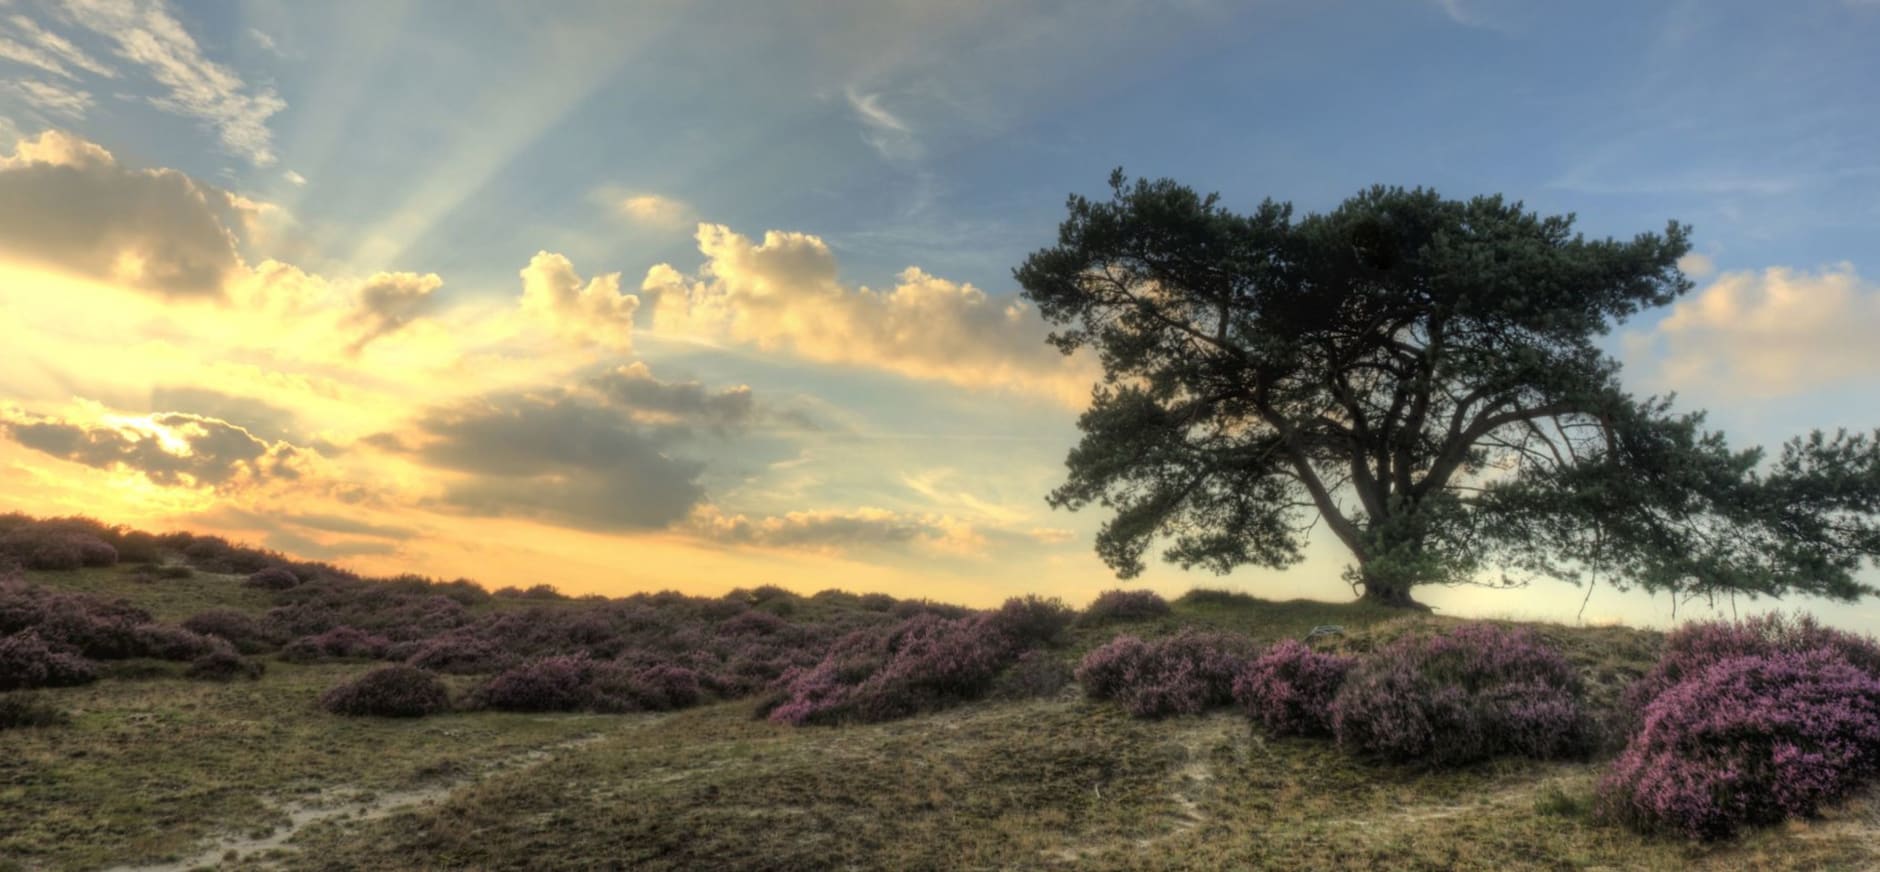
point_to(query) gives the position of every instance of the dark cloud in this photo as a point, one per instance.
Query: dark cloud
(305, 548)
(561, 458)
(389, 301)
(635, 388)
(216, 453)
(259, 417)
(68, 204)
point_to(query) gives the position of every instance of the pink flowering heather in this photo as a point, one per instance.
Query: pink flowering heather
(1125, 605)
(1289, 689)
(1695, 646)
(1474, 692)
(28, 661)
(1187, 673)
(1746, 741)
(339, 643)
(924, 663)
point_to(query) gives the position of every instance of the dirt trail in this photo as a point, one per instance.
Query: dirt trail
(357, 805)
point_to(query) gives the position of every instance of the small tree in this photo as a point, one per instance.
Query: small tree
(1420, 375)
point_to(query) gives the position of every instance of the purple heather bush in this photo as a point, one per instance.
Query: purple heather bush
(1748, 740)
(224, 664)
(552, 684)
(28, 661)
(1695, 646)
(1187, 673)
(462, 654)
(339, 643)
(241, 629)
(924, 663)
(172, 643)
(1474, 692)
(1125, 605)
(1035, 674)
(272, 578)
(389, 691)
(1289, 689)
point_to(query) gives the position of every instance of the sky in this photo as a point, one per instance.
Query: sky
(641, 295)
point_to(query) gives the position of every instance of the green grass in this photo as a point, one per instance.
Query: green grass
(153, 768)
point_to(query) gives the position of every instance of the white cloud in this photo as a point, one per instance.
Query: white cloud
(650, 210)
(148, 35)
(1697, 266)
(47, 50)
(597, 313)
(294, 178)
(783, 295)
(265, 42)
(885, 132)
(50, 98)
(1776, 332)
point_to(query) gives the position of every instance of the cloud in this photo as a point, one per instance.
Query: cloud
(259, 417)
(635, 388)
(294, 178)
(649, 210)
(783, 294)
(1697, 266)
(50, 98)
(885, 132)
(39, 47)
(265, 42)
(173, 449)
(390, 301)
(67, 203)
(597, 313)
(865, 529)
(560, 458)
(146, 34)
(1769, 333)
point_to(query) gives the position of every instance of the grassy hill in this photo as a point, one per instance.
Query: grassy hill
(154, 768)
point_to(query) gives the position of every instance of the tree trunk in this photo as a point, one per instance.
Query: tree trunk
(1391, 593)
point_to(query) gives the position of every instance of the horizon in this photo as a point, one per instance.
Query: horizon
(626, 300)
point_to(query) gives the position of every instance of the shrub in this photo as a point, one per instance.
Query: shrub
(1696, 646)
(171, 643)
(662, 688)
(924, 663)
(1289, 689)
(1745, 741)
(752, 623)
(19, 710)
(248, 635)
(1474, 692)
(223, 664)
(272, 578)
(552, 684)
(389, 691)
(28, 661)
(175, 570)
(460, 654)
(1032, 620)
(335, 644)
(875, 602)
(1187, 673)
(1125, 605)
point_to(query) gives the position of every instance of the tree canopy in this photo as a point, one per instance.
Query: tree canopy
(1421, 376)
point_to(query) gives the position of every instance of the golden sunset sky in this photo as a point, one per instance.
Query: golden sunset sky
(630, 296)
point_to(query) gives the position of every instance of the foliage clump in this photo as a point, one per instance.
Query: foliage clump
(272, 578)
(926, 662)
(29, 661)
(224, 664)
(1187, 673)
(338, 643)
(241, 629)
(1746, 741)
(1474, 692)
(1125, 605)
(578, 682)
(1696, 646)
(1289, 689)
(390, 692)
